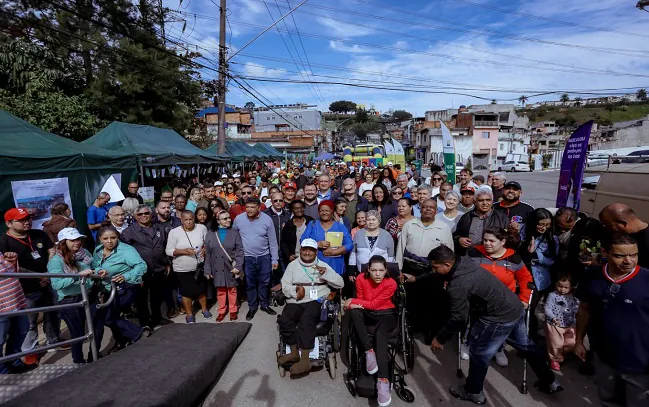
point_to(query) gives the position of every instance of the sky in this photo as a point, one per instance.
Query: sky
(438, 54)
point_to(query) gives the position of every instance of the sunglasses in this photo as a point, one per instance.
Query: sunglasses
(246, 193)
(437, 179)
(213, 205)
(612, 290)
(143, 214)
(278, 200)
(397, 193)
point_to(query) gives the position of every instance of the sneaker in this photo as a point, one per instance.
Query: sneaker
(383, 394)
(234, 316)
(269, 311)
(172, 313)
(460, 393)
(220, 317)
(190, 319)
(553, 387)
(464, 352)
(501, 358)
(207, 314)
(554, 365)
(370, 362)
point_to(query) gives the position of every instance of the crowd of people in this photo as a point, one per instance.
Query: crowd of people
(471, 255)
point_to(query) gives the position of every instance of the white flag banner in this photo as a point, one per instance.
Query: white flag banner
(113, 190)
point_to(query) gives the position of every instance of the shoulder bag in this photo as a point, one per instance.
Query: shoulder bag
(233, 263)
(200, 265)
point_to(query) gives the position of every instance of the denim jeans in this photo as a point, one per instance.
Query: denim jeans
(123, 330)
(75, 319)
(51, 321)
(257, 270)
(617, 389)
(485, 338)
(12, 333)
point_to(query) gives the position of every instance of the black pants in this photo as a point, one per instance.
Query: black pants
(152, 290)
(298, 323)
(384, 323)
(428, 304)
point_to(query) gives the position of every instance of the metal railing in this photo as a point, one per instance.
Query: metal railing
(84, 303)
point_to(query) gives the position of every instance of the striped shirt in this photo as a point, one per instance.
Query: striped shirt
(12, 297)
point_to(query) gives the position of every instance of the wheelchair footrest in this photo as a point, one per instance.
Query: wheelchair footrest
(366, 385)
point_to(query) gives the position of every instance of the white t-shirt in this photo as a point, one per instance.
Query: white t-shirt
(365, 187)
(179, 240)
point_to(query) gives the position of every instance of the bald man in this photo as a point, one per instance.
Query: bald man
(621, 218)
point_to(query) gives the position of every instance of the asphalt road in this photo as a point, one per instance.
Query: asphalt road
(252, 380)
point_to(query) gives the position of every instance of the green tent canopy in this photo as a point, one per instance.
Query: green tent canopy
(29, 153)
(268, 150)
(238, 151)
(152, 145)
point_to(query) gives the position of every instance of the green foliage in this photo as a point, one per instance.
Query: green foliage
(342, 106)
(567, 121)
(72, 66)
(361, 116)
(249, 105)
(401, 115)
(642, 94)
(564, 98)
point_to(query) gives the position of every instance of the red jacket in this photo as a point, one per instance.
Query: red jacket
(374, 296)
(509, 269)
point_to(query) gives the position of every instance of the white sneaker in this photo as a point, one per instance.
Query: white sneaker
(464, 352)
(501, 358)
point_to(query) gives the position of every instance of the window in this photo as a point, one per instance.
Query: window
(267, 117)
(502, 146)
(295, 117)
(485, 134)
(513, 147)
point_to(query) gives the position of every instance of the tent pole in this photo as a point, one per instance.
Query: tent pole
(198, 173)
(141, 175)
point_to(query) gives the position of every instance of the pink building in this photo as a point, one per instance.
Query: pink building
(485, 140)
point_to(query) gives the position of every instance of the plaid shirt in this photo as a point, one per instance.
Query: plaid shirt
(12, 297)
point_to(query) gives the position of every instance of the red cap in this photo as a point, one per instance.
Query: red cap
(467, 188)
(290, 184)
(16, 214)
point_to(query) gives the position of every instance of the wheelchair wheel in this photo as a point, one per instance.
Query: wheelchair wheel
(331, 365)
(349, 383)
(405, 395)
(407, 347)
(336, 334)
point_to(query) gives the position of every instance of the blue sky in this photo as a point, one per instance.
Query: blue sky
(457, 46)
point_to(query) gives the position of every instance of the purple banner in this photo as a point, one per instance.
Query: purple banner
(572, 167)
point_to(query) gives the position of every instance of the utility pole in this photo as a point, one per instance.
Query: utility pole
(162, 22)
(642, 4)
(223, 68)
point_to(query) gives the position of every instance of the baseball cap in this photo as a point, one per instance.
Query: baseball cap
(468, 188)
(16, 214)
(237, 175)
(69, 234)
(218, 184)
(290, 184)
(390, 164)
(513, 184)
(309, 243)
(224, 176)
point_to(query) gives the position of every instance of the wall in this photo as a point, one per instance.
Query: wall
(480, 144)
(628, 137)
(265, 121)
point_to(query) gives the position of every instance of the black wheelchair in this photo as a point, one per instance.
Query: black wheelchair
(327, 341)
(401, 351)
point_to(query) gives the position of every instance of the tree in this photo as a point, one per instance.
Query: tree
(401, 115)
(361, 116)
(578, 101)
(565, 98)
(342, 106)
(522, 100)
(249, 105)
(642, 94)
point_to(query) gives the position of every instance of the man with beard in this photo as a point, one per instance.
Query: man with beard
(298, 177)
(311, 201)
(149, 239)
(163, 216)
(516, 210)
(472, 224)
(355, 202)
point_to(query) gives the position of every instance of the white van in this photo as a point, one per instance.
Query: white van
(617, 183)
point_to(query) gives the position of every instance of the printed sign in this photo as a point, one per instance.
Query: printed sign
(39, 196)
(572, 167)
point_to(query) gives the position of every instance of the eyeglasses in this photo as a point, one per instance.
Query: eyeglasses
(397, 193)
(213, 205)
(230, 188)
(246, 193)
(437, 179)
(278, 200)
(143, 214)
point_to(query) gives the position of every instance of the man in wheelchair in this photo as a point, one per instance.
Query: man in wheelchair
(373, 306)
(305, 284)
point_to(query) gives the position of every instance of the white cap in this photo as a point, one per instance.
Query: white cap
(309, 243)
(318, 173)
(351, 168)
(69, 234)
(390, 164)
(237, 175)
(218, 184)
(224, 176)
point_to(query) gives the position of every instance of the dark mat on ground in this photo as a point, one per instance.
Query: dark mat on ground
(175, 367)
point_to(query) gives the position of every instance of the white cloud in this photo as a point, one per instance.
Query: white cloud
(251, 69)
(344, 30)
(354, 49)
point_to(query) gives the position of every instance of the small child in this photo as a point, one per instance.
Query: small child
(560, 312)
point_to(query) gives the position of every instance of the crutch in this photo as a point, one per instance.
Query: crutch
(459, 372)
(528, 311)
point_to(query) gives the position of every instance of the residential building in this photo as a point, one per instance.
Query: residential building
(238, 123)
(295, 128)
(632, 133)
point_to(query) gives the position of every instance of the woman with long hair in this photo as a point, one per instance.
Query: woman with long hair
(203, 216)
(404, 214)
(382, 202)
(60, 220)
(498, 256)
(194, 197)
(124, 265)
(223, 263)
(231, 194)
(540, 247)
(339, 213)
(436, 181)
(72, 258)
(386, 178)
(373, 307)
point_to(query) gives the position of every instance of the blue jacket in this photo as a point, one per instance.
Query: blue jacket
(67, 286)
(124, 260)
(315, 231)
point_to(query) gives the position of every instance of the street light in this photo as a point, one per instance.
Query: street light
(338, 125)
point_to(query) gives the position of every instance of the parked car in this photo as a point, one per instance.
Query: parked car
(640, 156)
(623, 183)
(513, 166)
(596, 159)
